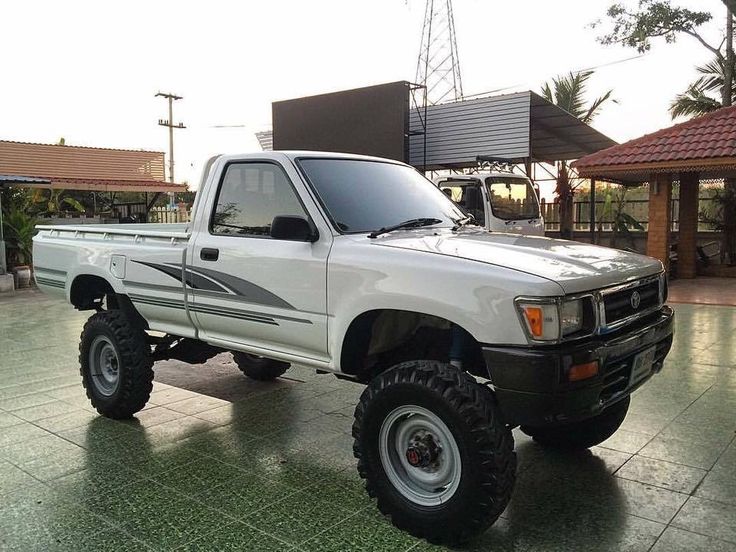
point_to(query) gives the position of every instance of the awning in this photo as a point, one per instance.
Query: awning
(518, 128)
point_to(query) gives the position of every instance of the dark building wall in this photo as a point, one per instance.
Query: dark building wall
(369, 121)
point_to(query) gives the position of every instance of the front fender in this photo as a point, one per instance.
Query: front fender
(476, 296)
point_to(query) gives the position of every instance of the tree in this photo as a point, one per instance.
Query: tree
(698, 99)
(569, 92)
(660, 19)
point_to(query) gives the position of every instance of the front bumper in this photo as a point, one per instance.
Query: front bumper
(531, 382)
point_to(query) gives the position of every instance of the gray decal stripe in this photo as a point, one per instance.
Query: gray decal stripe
(252, 292)
(154, 287)
(50, 283)
(49, 270)
(238, 316)
(193, 280)
(203, 309)
(213, 294)
(212, 280)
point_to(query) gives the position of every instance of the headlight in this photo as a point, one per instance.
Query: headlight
(549, 319)
(571, 316)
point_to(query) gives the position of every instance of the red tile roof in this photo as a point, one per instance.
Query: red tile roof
(705, 141)
(84, 168)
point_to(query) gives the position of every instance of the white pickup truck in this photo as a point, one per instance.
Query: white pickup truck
(498, 201)
(362, 267)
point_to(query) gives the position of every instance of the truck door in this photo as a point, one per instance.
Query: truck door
(249, 288)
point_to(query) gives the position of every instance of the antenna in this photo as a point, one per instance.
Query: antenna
(438, 65)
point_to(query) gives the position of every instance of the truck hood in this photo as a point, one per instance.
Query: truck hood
(575, 266)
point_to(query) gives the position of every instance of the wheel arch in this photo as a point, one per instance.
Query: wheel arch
(361, 333)
(88, 291)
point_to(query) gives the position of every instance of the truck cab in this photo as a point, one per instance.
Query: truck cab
(499, 201)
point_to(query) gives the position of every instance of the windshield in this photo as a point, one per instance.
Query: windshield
(364, 196)
(512, 198)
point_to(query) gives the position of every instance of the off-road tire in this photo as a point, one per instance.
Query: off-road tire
(135, 365)
(583, 434)
(258, 367)
(485, 443)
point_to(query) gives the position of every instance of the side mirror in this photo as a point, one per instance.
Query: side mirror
(293, 228)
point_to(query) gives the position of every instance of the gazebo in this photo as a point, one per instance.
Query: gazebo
(702, 148)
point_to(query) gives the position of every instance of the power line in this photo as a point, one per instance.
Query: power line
(593, 68)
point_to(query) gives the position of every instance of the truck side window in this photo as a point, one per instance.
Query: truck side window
(250, 196)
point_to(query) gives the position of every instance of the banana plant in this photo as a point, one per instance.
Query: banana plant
(52, 205)
(19, 228)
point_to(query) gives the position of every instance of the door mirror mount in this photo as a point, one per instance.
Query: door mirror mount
(293, 228)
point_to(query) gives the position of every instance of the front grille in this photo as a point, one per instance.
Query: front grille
(617, 372)
(618, 305)
(616, 378)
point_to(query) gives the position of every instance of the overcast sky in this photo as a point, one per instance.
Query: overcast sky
(88, 71)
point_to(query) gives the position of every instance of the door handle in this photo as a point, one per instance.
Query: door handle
(209, 254)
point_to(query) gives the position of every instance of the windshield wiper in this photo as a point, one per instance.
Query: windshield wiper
(411, 223)
(459, 223)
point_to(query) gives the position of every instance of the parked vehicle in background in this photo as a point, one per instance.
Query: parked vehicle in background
(361, 267)
(499, 201)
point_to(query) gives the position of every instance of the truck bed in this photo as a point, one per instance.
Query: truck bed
(67, 256)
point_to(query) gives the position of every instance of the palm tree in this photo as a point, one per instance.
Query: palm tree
(697, 99)
(569, 93)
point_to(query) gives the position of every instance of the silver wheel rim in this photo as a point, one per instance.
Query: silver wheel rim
(409, 430)
(104, 365)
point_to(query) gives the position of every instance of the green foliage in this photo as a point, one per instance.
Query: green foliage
(696, 101)
(54, 203)
(19, 229)
(653, 19)
(569, 92)
(622, 223)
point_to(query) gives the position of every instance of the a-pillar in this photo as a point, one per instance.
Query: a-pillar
(687, 242)
(658, 235)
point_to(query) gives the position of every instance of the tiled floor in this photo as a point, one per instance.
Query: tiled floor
(269, 466)
(704, 291)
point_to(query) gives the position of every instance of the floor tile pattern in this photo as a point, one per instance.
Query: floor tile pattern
(217, 462)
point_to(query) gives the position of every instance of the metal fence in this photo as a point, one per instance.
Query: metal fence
(636, 208)
(137, 212)
(168, 215)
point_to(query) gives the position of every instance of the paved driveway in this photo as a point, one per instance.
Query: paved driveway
(217, 462)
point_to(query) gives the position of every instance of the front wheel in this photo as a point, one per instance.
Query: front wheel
(583, 434)
(258, 367)
(433, 450)
(115, 365)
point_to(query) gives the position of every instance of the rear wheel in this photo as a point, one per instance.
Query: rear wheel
(583, 434)
(115, 365)
(433, 451)
(258, 367)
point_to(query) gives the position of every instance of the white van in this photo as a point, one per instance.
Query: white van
(499, 201)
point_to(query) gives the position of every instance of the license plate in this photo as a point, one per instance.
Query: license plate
(642, 365)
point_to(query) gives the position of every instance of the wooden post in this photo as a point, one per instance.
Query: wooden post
(687, 242)
(592, 210)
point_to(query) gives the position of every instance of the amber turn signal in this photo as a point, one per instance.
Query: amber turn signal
(583, 371)
(534, 319)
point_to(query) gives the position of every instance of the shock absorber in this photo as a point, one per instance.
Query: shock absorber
(460, 346)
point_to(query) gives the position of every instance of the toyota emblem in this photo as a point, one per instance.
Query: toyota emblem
(635, 300)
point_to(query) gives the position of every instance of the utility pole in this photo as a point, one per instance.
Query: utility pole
(170, 124)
